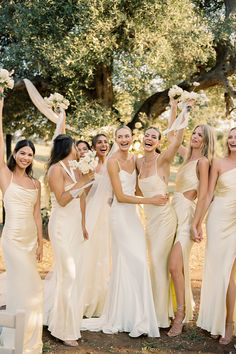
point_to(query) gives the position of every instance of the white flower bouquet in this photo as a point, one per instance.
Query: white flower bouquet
(6, 81)
(200, 99)
(175, 92)
(57, 101)
(85, 164)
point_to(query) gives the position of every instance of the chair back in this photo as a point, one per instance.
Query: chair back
(16, 321)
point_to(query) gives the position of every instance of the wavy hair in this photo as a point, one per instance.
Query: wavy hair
(208, 146)
(11, 163)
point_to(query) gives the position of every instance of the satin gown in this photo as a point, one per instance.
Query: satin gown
(63, 290)
(97, 253)
(129, 305)
(220, 256)
(186, 180)
(24, 286)
(160, 228)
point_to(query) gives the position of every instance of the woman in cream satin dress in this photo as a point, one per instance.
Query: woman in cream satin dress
(191, 183)
(22, 243)
(97, 253)
(129, 305)
(217, 312)
(161, 222)
(63, 291)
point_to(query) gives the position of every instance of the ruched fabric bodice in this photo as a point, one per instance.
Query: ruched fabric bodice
(186, 178)
(160, 228)
(220, 255)
(24, 286)
(19, 205)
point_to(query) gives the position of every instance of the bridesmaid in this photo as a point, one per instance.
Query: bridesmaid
(191, 183)
(129, 305)
(22, 243)
(97, 250)
(63, 291)
(154, 170)
(83, 147)
(217, 308)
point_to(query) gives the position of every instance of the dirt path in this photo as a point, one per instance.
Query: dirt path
(193, 340)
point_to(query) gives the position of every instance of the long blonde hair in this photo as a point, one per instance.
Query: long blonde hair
(227, 150)
(208, 144)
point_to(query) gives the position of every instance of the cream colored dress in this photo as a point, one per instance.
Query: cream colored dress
(220, 255)
(129, 305)
(63, 308)
(24, 286)
(160, 228)
(97, 254)
(186, 180)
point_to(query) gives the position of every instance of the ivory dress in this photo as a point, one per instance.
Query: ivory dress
(24, 286)
(63, 308)
(186, 180)
(129, 305)
(160, 228)
(97, 252)
(220, 255)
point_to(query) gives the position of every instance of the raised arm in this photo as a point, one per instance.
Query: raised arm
(38, 222)
(203, 169)
(113, 171)
(5, 173)
(175, 140)
(2, 163)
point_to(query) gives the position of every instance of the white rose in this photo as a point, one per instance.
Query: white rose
(138, 125)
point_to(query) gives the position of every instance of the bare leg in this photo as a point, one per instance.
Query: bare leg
(177, 274)
(230, 304)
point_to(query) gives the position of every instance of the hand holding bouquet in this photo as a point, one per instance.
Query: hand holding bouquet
(88, 163)
(6, 80)
(57, 102)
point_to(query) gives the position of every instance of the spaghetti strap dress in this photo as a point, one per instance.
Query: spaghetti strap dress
(24, 285)
(160, 229)
(129, 305)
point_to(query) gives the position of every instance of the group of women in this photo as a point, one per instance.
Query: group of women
(90, 226)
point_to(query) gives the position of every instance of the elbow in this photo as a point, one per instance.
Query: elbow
(120, 198)
(62, 203)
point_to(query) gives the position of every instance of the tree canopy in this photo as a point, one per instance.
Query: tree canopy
(116, 60)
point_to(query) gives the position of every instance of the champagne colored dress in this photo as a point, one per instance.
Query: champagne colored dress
(220, 255)
(97, 254)
(129, 305)
(160, 228)
(63, 308)
(24, 286)
(186, 180)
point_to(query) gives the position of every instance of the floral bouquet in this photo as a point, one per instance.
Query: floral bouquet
(57, 102)
(175, 92)
(85, 164)
(6, 81)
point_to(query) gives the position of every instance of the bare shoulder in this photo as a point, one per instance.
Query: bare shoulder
(54, 170)
(217, 163)
(203, 162)
(112, 162)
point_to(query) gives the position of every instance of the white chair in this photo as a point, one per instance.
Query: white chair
(16, 321)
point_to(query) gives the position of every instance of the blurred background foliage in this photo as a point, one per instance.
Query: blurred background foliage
(111, 57)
